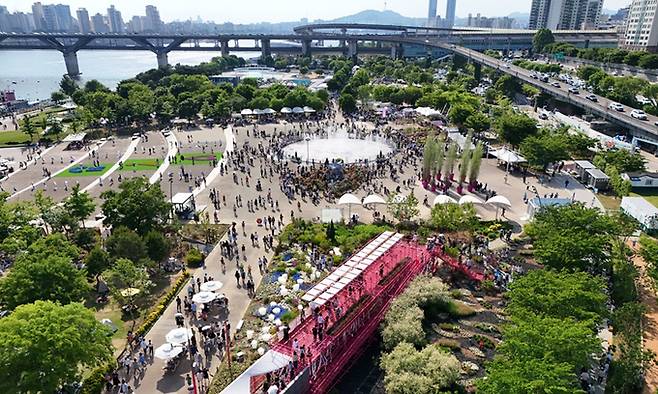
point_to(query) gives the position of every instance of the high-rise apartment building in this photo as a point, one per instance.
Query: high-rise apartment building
(642, 26)
(152, 23)
(451, 7)
(116, 22)
(98, 24)
(431, 13)
(84, 23)
(565, 14)
(37, 15)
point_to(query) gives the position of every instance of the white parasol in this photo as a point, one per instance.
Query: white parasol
(442, 199)
(178, 335)
(204, 297)
(212, 285)
(167, 351)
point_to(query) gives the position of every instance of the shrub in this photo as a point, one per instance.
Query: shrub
(95, 382)
(157, 311)
(194, 258)
(458, 310)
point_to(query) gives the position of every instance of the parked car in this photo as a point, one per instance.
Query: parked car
(639, 114)
(616, 107)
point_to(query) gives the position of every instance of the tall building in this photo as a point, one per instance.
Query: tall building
(431, 13)
(64, 18)
(98, 24)
(451, 7)
(37, 15)
(565, 14)
(83, 20)
(116, 22)
(153, 23)
(642, 27)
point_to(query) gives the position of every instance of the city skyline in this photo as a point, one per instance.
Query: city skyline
(254, 11)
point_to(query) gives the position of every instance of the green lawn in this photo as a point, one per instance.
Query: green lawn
(68, 173)
(199, 158)
(9, 138)
(141, 165)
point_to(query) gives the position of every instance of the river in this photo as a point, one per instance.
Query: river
(37, 73)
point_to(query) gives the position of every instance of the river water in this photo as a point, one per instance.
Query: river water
(37, 73)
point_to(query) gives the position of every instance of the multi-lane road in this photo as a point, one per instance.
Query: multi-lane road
(640, 128)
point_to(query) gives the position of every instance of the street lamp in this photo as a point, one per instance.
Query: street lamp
(171, 193)
(308, 148)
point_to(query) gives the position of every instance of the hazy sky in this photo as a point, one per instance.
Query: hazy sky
(246, 11)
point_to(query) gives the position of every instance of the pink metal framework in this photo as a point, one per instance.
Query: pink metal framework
(470, 272)
(354, 313)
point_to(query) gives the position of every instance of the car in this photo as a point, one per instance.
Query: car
(556, 84)
(616, 106)
(543, 116)
(534, 76)
(592, 97)
(655, 124)
(639, 114)
(574, 90)
(506, 65)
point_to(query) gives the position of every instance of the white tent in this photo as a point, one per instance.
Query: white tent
(258, 111)
(269, 362)
(443, 199)
(269, 111)
(427, 111)
(167, 351)
(373, 199)
(308, 110)
(286, 110)
(212, 285)
(466, 199)
(508, 156)
(204, 297)
(178, 335)
(349, 199)
(500, 202)
(246, 112)
(298, 110)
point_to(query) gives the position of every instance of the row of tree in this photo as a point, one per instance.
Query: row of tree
(621, 89)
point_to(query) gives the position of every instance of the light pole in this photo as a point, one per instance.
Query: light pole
(171, 193)
(308, 148)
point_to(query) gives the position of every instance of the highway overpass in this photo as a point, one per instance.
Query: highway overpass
(639, 128)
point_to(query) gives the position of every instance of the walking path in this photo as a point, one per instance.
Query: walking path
(172, 142)
(649, 299)
(129, 151)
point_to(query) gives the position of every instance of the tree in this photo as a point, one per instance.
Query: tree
(347, 103)
(478, 122)
(28, 128)
(516, 376)
(571, 237)
(44, 345)
(48, 278)
(79, 204)
(68, 85)
(137, 205)
(562, 295)
(127, 281)
(622, 159)
(620, 186)
(449, 165)
(57, 96)
(55, 129)
(157, 246)
(544, 149)
(514, 128)
(476, 162)
(125, 243)
(408, 370)
(97, 261)
(430, 151)
(541, 39)
(453, 217)
(458, 114)
(403, 209)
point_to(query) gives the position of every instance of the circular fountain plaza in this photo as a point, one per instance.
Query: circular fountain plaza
(338, 144)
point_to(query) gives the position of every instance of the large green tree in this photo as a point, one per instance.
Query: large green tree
(79, 204)
(541, 39)
(127, 281)
(44, 345)
(137, 205)
(125, 243)
(515, 127)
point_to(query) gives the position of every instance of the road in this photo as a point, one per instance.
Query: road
(641, 128)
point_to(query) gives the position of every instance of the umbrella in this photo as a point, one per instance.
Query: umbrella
(308, 110)
(258, 111)
(443, 199)
(167, 351)
(212, 285)
(373, 199)
(348, 199)
(203, 297)
(470, 199)
(247, 112)
(179, 335)
(286, 110)
(508, 156)
(500, 202)
(129, 292)
(269, 111)
(298, 110)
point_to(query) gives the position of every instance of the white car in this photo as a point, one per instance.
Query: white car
(616, 107)
(638, 114)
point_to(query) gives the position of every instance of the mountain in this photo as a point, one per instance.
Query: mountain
(380, 17)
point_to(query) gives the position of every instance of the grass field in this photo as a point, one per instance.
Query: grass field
(69, 174)
(141, 165)
(199, 158)
(9, 138)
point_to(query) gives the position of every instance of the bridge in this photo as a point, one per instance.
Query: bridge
(347, 39)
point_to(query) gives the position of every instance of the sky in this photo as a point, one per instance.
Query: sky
(250, 11)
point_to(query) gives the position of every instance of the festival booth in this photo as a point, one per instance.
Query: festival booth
(270, 361)
(184, 205)
(596, 179)
(642, 211)
(75, 141)
(428, 112)
(581, 166)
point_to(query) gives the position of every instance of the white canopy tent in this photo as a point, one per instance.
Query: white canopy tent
(443, 199)
(269, 111)
(269, 362)
(349, 200)
(373, 199)
(309, 110)
(298, 110)
(466, 199)
(500, 202)
(427, 111)
(286, 110)
(246, 112)
(508, 156)
(258, 111)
